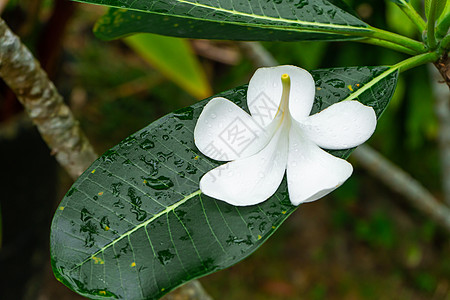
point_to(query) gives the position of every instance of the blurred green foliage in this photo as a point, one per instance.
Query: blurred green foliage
(175, 59)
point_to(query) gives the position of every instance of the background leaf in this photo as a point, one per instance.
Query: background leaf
(174, 58)
(135, 226)
(231, 20)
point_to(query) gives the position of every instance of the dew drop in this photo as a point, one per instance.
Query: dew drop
(213, 116)
(109, 156)
(184, 113)
(159, 183)
(147, 144)
(165, 256)
(335, 82)
(105, 224)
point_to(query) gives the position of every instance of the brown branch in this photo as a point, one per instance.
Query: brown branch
(442, 110)
(56, 123)
(45, 106)
(402, 183)
(259, 55)
(443, 65)
(381, 168)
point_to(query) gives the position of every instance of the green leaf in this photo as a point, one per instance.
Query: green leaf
(272, 20)
(135, 225)
(174, 58)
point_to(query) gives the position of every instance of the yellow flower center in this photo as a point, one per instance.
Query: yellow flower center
(284, 103)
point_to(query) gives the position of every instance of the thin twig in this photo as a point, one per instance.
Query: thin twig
(442, 110)
(402, 183)
(55, 121)
(259, 55)
(381, 168)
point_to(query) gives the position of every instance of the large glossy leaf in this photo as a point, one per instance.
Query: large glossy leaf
(135, 225)
(175, 59)
(282, 20)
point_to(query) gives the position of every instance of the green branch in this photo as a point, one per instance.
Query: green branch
(416, 61)
(398, 39)
(412, 14)
(431, 37)
(443, 25)
(445, 43)
(389, 45)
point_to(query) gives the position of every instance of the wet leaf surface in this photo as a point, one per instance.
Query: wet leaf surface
(135, 225)
(282, 20)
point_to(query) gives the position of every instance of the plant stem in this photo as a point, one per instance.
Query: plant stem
(445, 43)
(401, 67)
(416, 61)
(397, 39)
(412, 14)
(389, 45)
(431, 37)
(442, 26)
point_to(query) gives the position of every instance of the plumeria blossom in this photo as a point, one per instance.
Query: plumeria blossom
(278, 136)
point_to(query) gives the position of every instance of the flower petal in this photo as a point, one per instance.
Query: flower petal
(265, 90)
(250, 180)
(343, 125)
(226, 132)
(311, 172)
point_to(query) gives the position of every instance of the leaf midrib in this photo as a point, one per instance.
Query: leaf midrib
(313, 25)
(370, 84)
(143, 224)
(235, 12)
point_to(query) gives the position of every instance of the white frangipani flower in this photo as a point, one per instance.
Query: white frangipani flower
(279, 135)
